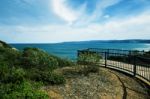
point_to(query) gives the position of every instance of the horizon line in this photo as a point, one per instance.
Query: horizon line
(78, 41)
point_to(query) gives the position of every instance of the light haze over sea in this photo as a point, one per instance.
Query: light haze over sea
(69, 49)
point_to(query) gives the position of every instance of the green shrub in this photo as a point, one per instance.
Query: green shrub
(92, 68)
(71, 72)
(9, 56)
(4, 44)
(4, 71)
(89, 69)
(17, 75)
(47, 77)
(13, 84)
(54, 78)
(24, 90)
(35, 58)
(89, 58)
(12, 75)
(63, 62)
(80, 70)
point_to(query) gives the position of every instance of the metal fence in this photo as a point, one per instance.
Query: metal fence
(130, 61)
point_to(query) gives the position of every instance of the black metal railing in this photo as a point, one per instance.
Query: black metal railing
(130, 61)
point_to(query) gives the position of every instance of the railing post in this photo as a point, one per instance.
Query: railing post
(134, 68)
(105, 59)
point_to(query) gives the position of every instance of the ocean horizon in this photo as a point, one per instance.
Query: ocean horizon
(69, 49)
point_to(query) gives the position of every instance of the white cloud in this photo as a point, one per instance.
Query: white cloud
(98, 12)
(125, 28)
(61, 9)
(79, 16)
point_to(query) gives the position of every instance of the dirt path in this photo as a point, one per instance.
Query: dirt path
(106, 84)
(132, 88)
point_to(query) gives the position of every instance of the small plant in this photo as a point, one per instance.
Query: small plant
(56, 78)
(89, 69)
(89, 58)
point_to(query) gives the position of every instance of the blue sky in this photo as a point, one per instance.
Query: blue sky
(51, 21)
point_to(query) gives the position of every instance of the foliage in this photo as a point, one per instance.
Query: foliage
(89, 69)
(24, 90)
(36, 58)
(4, 72)
(89, 58)
(9, 56)
(15, 76)
(46, 77)
(3, 44)
(14, 85)
(11, 75)
(64, 62)
(19, 69)
(54, 78)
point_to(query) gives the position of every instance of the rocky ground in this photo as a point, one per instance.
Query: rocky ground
(105, 84)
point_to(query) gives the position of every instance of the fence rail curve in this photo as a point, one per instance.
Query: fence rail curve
(129, 61)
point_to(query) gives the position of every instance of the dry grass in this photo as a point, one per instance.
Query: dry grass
(105, 84)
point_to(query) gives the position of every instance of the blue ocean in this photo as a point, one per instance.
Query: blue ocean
(69, 50)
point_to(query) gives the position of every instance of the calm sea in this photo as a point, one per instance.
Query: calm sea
(69, 50)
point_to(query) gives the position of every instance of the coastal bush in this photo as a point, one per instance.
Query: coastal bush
(15, 85)
(36, 58)
(9, 56)
(17, 75)
(89, 58)
(5, 45)
(24, 90)
(92, 68)
(63, 62)
(80, 70)
(19, 70)
(54, 78)
(4, 71)
(89, 69)
(12, 75)
(47, 77)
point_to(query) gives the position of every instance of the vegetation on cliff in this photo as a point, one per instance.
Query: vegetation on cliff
(23, 73)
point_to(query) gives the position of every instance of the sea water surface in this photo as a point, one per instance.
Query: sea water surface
(69, 50)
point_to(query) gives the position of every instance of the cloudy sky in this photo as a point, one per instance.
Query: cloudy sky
(51, 21)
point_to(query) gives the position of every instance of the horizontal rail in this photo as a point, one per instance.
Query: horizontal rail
(129, 61)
